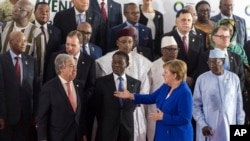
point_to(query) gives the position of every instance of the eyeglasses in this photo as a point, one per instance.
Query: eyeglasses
(215, 63)
(125, 42)
(222, 37)
(172, 49)
(19, 9)
(84, 32)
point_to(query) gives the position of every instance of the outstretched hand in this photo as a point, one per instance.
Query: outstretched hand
(124, 94)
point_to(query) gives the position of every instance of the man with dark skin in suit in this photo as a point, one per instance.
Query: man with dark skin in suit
(19, 88)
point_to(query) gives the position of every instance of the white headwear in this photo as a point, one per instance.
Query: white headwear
(168, 41)
(216, 53)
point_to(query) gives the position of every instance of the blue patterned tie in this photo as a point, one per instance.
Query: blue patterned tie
(80, 18)
(120, 89)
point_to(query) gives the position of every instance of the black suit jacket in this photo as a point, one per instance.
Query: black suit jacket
(158, 21)
(114, 120)
(56, 119)
(18, 100)
(66, 21)
(195, 46)
(235, 61)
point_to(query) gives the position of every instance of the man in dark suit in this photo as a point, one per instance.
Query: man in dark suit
(111, 13)
(19, 88)
(86, 72)
(62, 105)
(226, 11)
(67, 20)
(88, 48)
(51, 33)
(132, 14)
(221, 40)
(114, 115)
(191, 52)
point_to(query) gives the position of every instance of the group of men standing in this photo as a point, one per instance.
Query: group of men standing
(49, 71)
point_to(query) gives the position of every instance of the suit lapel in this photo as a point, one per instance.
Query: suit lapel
(25, 63)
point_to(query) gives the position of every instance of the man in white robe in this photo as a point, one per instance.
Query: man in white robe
(138, 68)
(217, 101)
(169, 51)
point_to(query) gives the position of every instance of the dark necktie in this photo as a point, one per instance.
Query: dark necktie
(18, 68)
(184, 41)
(43, 31)
(120, 88)
(103, 11)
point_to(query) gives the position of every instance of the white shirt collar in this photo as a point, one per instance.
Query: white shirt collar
(13, 55)
(77, 12)
(226, 17)
(105, 1)
(39, 25)
(116, 76)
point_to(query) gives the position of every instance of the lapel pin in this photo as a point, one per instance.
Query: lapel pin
(110, 5)
(159, 16)
(50, 31)
(90, 18)
(77, 85)
(132, 85)
(143, 29)
(82, 62)
(193, 40)
(26, 62)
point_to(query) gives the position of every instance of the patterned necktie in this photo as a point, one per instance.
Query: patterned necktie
(103, 11)
(80, 16)
(71, 96)
(18, 68)
(184, 41)
(120, 88)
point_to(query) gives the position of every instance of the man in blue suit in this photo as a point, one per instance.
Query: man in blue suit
(88, 48)
(19, 89)
(132, 14)
(226, 11)
(51, 33)
(112, 15)
(67, 20)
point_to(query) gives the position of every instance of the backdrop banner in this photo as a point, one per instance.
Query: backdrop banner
(167, 7)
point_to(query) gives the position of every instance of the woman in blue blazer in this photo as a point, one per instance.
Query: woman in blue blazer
(174, 102)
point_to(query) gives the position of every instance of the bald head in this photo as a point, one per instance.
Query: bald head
(18, 42)
(86, 30)
(22, 12)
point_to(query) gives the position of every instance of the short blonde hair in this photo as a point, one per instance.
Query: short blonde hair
(178, 67)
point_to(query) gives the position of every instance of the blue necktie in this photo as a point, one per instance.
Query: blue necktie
(120, 89)
(80, 18)
(226, 64)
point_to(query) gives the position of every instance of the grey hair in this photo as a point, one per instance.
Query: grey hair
(60, 61)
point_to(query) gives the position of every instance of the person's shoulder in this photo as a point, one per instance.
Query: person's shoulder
(238, 18)
(158, 14)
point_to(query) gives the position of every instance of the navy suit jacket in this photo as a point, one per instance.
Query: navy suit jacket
(145, 36)
(56, 119)
(18, 100)
(95, 51)
(111, 116)
(240, 27)
(195, 48)
(66, 21)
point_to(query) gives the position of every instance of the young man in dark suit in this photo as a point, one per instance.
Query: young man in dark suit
(51, 33)
(67, 20)
(115, 116)
(19, 88)
(62, 104)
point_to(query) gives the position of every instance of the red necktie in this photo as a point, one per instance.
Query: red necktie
(184, 41)
(71, 97)
(18, 68)
(103, 10)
